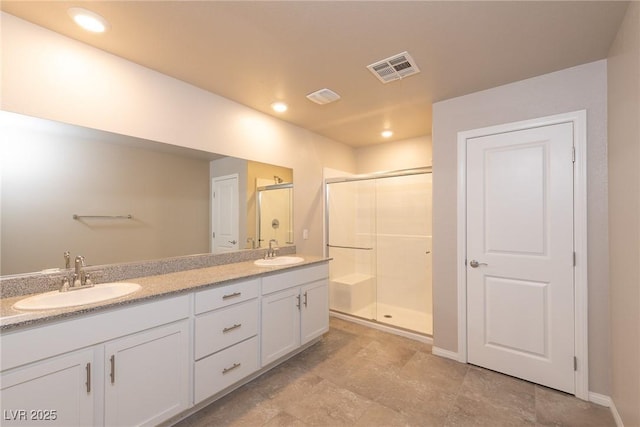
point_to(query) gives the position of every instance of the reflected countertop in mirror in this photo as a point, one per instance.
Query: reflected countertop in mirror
(111, 198)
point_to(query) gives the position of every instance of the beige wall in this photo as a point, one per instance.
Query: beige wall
(397, 155)
(47, 75)
(582, 87)
(49, 174)
(624, 215)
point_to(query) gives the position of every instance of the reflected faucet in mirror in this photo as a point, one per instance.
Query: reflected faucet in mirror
(272, 252)
(172, 209)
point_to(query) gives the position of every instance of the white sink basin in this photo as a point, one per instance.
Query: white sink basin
(278, 261)
(56, 299)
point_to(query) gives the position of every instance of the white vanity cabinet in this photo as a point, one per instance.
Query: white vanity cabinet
(67, 367)
(146, 376)
(295, 310)
(226, 336)
(144, 363)
(57, 391)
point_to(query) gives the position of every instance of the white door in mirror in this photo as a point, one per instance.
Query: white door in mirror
(56, 299)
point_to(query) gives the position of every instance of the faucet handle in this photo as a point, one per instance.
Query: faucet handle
(65, 284)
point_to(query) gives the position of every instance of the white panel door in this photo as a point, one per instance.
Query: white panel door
(224, 202)
(520, 274)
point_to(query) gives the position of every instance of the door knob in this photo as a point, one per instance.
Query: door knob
(475, 264)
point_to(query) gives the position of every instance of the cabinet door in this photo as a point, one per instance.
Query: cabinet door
(57, 391)
(315, 310)
(146, 376)
(280, 324)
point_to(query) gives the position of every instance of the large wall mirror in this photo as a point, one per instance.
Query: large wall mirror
(115, 198)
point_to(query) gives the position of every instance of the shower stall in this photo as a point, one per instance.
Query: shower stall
(379, 236)
(275, 214)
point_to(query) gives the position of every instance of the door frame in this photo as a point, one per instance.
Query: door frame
(579, 121)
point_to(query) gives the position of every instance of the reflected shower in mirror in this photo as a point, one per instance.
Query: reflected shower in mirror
(133, 199)
(275, 213)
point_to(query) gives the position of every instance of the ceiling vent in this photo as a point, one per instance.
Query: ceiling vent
(394, 68)
(323, 96)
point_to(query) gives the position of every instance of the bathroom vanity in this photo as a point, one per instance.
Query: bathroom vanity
(182, 341)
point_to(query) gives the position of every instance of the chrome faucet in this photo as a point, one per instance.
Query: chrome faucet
(78, 280)
(80, 277)
(272, 252)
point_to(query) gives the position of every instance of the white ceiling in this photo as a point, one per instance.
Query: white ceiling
(257, 52)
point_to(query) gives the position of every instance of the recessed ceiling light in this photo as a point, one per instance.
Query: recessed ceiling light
(88, 20)
(386, 133)
(279, 107)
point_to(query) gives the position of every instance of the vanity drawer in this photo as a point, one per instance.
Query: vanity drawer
(299, 276)
(220, 370)
(227, 295)
(225, 327)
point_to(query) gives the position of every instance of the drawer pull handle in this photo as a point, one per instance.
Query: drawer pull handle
(88, 383)
(231, 328)
(233, 295)
(234, 366)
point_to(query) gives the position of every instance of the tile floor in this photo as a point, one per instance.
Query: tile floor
(358, 376)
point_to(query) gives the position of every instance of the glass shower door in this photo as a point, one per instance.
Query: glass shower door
(351, 222)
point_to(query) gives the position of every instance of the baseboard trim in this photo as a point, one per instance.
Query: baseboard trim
(616, 415)
(600, 399)
(446, 353)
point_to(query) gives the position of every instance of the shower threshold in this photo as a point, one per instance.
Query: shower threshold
(384, 326)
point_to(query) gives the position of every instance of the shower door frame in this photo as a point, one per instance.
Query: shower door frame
(365, 177)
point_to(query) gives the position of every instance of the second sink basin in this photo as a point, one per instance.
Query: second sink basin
(56, 299)
(277, 261)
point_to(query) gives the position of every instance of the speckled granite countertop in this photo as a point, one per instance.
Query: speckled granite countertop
(151, 287)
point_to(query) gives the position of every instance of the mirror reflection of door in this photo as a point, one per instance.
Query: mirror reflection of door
(224, 212)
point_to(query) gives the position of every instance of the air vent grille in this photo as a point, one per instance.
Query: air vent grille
(323, 96)
(394, 68)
